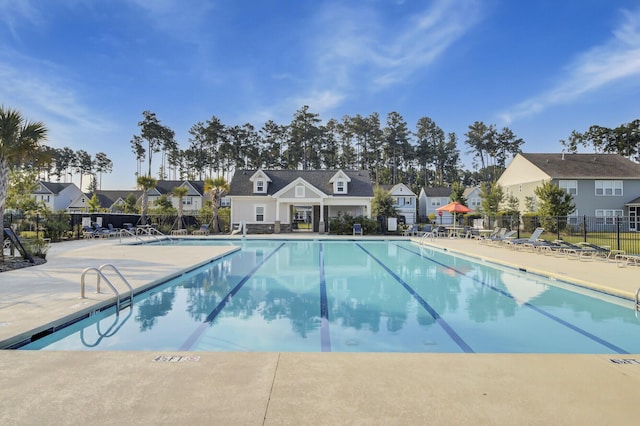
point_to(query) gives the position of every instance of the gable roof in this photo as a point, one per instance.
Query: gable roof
(167, 186)
(108, 197)
(437, 192)
(360, 185)
(51, 187)
(470, 190)
(584, 166)
(399, 189)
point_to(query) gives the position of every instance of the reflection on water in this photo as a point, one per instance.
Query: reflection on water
(267, 297)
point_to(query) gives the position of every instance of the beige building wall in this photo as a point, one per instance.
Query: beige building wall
(520, 179)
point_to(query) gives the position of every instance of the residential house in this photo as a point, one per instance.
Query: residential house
(405, 201)
(602, 185)
(109, 199)
(55, 195)
(192, 202)
(473, 196)
(432, 198)
(276, 200)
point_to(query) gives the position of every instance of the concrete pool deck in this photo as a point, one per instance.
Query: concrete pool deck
(292, 388)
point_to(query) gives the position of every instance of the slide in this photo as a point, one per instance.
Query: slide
(10, 235)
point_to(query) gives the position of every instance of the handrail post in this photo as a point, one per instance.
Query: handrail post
(82, 286)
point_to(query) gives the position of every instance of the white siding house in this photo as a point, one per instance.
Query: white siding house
(276, 200)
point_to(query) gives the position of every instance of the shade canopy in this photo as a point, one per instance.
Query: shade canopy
(455, 207)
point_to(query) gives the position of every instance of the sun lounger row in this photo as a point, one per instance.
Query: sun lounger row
(559, 248)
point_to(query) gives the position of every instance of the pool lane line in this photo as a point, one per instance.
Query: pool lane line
(541, 311)
(191, 340)
(325, 337)
(436, 316)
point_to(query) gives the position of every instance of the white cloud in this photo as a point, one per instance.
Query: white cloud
(14, 12)
(38, 91)
(351, 50)
(615, 61)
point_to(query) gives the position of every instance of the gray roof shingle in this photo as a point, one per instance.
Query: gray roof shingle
(360, 185)
(585, 166)
(437, 192)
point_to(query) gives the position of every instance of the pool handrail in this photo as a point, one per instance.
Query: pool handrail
(101, 275)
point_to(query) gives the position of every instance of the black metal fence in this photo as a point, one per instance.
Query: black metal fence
(66, 226)
(618, 233)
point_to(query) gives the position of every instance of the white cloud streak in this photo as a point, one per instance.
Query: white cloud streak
(355, 50)
(615, 61)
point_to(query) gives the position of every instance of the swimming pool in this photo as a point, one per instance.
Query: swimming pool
(357, 296)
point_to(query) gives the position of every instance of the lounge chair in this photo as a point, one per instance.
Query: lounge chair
(411, 230)
(103, 232)
(435, 232)
(549, 247)
(624, 260)
(236, 229)
(503, 238)
(603, 252)
(357, 229)
(573, 250)
(204, 230)
(89, 232)
(523, 243)
(497, 233)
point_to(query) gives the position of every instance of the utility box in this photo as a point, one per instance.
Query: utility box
(392, 224)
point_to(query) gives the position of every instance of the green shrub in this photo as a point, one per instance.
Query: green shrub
(36, 247)
(343, 225)
(57, 226)
(529, 221)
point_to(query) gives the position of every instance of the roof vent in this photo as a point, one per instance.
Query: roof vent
(595, 158)
(562, 155)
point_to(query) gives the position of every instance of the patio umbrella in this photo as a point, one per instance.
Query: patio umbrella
(454, 207)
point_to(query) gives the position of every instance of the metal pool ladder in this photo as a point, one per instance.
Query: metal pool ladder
(100, 275)
(638, 299)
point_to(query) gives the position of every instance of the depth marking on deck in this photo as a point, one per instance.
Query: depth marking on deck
(176, 358)
(436, 316)
(541, 311)
(191, 340)
(625, 361)
(325, 338)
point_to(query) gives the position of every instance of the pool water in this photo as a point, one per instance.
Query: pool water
(357, 296)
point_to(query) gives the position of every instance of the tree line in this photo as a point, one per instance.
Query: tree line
(392, 153)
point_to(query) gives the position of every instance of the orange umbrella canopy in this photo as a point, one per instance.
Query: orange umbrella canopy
(455, 207)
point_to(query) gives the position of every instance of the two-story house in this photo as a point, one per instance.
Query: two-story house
(191, 203)
(432, 198)
(405, 201)
(55, 195)
(602, 185)
(111, 200)
(271, 200)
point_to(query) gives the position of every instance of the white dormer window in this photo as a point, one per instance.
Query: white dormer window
(340, 181)
(260, 182)
(299, 191)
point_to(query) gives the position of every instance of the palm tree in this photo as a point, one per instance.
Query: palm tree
(145, 183)
(180, 192)
(20, 144)
(218, 188)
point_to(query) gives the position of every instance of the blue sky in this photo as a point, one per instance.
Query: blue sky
(88, 68)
